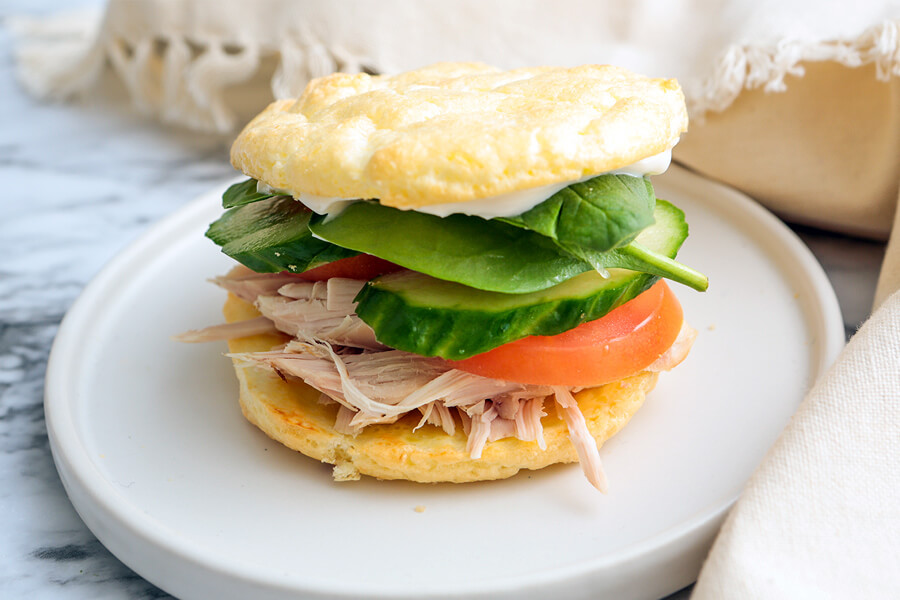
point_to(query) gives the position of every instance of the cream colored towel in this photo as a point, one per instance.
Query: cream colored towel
(820, 518)
(826, 152)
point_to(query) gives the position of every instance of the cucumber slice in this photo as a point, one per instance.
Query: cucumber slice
(273, 235)
(433, 317)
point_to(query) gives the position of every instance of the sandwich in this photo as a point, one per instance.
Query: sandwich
(455, 273)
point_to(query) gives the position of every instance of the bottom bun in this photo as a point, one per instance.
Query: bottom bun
(290, 412)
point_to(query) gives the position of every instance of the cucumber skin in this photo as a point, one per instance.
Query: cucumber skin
(432, 332)
(456, 332)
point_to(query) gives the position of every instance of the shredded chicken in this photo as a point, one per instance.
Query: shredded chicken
(320, 310)
(335, 352)
(249, 285)
(677, 352)
(305, 309)
(584, 443)
(436, 413)
(227, 331)
(382, 386)
(480, 429)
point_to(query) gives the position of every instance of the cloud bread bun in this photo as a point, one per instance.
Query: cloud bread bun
(289, 412)
(454, 132)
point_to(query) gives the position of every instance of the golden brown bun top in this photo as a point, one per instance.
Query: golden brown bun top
(454, 132)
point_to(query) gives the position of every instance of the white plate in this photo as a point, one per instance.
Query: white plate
(154, 454)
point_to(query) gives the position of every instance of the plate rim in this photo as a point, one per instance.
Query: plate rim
(93, 496)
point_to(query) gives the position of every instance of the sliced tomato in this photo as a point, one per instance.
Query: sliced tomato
(361, 266)
(621, 343)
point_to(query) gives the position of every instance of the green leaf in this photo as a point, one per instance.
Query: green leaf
(276, 234)
(487, 255)
(273, 235)
(636, 256)
(242, 193)
(599, 214)
(417, 313)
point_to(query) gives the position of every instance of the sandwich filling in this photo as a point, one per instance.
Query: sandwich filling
(336, 353)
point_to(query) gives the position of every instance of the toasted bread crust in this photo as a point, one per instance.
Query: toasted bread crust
(455, 132)
(289, 412)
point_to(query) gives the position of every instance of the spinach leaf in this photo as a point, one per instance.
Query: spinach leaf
(242, 193)
(484, 254)
(596, 221)
(598, 214)
(273, 235)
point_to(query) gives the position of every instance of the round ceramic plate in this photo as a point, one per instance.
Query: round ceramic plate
(157, 459)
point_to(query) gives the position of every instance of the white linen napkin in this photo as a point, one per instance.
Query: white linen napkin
(820, 518)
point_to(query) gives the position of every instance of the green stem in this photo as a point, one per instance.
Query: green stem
(639, 258)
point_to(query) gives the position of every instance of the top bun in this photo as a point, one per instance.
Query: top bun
(454, 132)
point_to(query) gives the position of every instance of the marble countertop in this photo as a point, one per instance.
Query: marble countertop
(81, 181)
